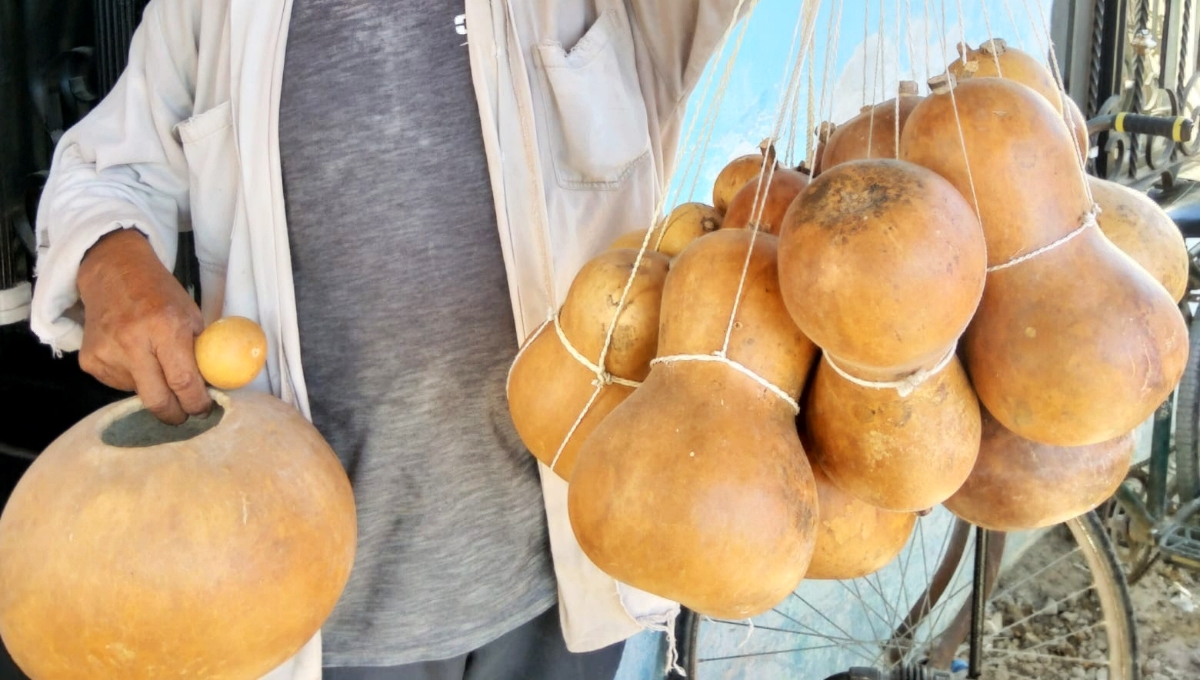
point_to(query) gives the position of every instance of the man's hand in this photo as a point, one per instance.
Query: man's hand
(140, 327)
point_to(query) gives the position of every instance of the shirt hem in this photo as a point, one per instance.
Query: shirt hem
(457, 646)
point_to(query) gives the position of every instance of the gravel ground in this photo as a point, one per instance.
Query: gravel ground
(1047, 627)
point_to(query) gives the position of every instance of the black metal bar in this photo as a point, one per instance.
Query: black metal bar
(979, 595)
(1160, 457)
(1185, 28)
(14, 124)
(115, 22)
(1162, 41)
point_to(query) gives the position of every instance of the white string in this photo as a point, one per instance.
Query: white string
(1089, 220)
(826, 105)
(575, 426)
(876, 84)
(1058, 81)
(790, 102)
(899, 75)
(1045, 48)
(766, 173)
(924, 38)
(696, 159)
(666, 627)
(810, 115)
(987, 22)
(749, 632)
(1012, 19)
(603, 377)
(720, 358)
(903, 387)
(962, 140)
(866, 36)
(808, 14)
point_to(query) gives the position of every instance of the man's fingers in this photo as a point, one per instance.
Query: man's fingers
(178, 361)
(114, 376)
(156, 396)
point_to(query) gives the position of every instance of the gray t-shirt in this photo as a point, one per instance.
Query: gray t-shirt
(406, 331)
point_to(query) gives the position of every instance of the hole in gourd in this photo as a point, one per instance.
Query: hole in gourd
(141, 428)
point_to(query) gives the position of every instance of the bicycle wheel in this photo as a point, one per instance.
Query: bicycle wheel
(914, 610)
(1187, 421)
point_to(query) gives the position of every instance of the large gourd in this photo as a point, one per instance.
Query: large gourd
(1144, 231)
(132, 549)
(854, 539)
(995, 58)
(882, 264)
(549, 388)
(872, 133)
(900, 453)
(761, 203)
(696, 488)
(1077, 344)
(740, 170)
(1018, 484)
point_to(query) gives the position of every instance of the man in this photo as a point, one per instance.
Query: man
(371, 181)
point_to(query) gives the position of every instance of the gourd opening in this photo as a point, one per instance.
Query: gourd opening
(141, 429)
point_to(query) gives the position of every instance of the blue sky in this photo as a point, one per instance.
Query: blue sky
(912, 49)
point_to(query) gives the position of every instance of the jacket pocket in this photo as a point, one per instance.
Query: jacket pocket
(211, 152)
(592, 105)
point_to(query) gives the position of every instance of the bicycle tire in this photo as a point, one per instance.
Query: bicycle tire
(1114, 597)
(1187, 421)
(1092, 541)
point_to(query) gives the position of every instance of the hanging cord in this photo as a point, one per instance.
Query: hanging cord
(987, 22)
(1058, 81)
(603, 377)
(904, 386)
(1089, 220)
(825, 106)
(877, 85)
(899, 41)
(720, 358)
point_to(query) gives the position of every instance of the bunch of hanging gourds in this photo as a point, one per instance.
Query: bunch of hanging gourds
(948, 307)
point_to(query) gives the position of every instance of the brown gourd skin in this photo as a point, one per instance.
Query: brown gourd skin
(749, 206)
(1078, 125)
(215, 557)
(1015, 65)
(738, 171)
(882, 264)
(824, 131)
(1079, 344)
(903, 454)
(1018, 484)
(696, 488)
(854, 539)
(870, 134)
(1143, 230)
(548, 388)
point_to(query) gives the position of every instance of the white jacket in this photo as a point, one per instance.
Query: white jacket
(580, 101)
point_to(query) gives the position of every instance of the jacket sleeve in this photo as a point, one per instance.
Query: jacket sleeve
(120, 167)
(681, 37)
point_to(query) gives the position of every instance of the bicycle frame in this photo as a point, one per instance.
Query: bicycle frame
(1149, 520)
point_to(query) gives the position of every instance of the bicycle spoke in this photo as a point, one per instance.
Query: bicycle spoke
(858, 594)
(1043, 609)
(1011, 587)
(768, 653)
(1051, 641)
(866, 656)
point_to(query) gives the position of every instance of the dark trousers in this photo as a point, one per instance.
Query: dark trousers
(535, 651)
